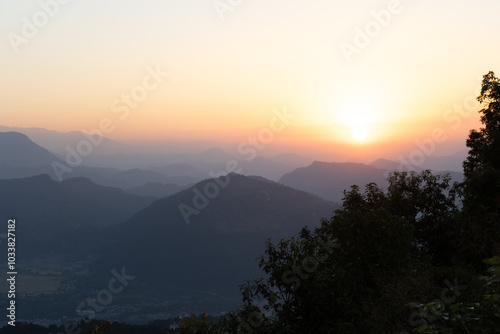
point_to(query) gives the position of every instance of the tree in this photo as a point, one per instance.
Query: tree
(485, 144)
(476, 312)
(482, 166)
(479, 228)
(424, 200)
(356, 272)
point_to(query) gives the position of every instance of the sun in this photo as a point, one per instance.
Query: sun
(359, 117)
(360, 133)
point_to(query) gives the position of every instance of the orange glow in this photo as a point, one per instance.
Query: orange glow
(225, 78)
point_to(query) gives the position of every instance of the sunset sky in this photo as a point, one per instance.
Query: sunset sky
(362, 78)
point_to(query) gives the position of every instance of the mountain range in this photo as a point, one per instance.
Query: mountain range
(44, 207)
(329, 179)
(185, 230)
(201, 260)
(214, 247)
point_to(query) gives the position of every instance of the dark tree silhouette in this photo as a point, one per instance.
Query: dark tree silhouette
(478, 230)
(482, 166)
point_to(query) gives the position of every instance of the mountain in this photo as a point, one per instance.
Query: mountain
(202, 169)
(17, 150)
(180, 169)
(20, 157)
(292, 159)
(45, 207)
(198, 166)
(137, 177)
(156, 189)
(183, 169)
(56, 141)
(391, 165)
(213, 244)
(451, 162)
(148, 160)
(265, 167)
(329, 179)
(214, 155)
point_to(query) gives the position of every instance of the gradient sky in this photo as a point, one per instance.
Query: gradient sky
(227, 73)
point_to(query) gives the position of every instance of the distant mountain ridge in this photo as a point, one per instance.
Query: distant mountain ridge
(45, 206)
(18, 150)
(20, 157)
(216, 250)
(24, 158)
(156, 189)
(329, 179)
(56, 142)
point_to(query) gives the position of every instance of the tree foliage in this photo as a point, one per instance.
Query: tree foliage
(478, 226)
(482, 166)
(353, 273)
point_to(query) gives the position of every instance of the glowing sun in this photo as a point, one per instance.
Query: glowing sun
(360, 133)
(358, 116)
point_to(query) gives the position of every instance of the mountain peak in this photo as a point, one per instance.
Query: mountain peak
(329, 179)
(18, 150)
(236, 203)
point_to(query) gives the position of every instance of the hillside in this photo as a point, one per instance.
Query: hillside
(44, 206)
(329, 179)
(217, 249)
(17, 150)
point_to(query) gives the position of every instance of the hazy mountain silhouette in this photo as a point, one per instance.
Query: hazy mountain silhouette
(156, 189)
(137, 177)
(451, 162)
(292, 159)
(214, 155)
(21, 158)
(56, 141)
(329, 179)
(216, 251)
(391, 165)
(44, 207)
(127, 170)
(265, 167)
(17, 150)
(196, 166)
(179, 169)
(148, 160)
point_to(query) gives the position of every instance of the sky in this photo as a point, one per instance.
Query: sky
(334, 78)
